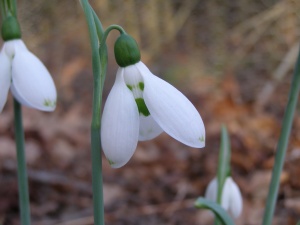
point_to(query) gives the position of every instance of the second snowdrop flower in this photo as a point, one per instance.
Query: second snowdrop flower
(22, 72)
(140, 106)
(231, 199)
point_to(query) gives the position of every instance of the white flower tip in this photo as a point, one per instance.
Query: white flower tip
(201, 142)
(31, 82)
(49, 105)
(211, 190)
(115, 164)
(232, 198)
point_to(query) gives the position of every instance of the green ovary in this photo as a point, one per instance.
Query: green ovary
(142, 106)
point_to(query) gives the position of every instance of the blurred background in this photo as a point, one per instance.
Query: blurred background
(234, 61)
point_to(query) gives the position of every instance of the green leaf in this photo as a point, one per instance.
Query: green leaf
(219, 212)
(224, 162)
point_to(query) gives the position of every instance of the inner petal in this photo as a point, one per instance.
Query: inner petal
(135, 84)
(149, 129)
(134, 81)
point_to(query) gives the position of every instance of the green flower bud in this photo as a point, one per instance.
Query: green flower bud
(126, 51)
(10, 29)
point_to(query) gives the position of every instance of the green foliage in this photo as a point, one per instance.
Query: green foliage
(219, 212)
(224, 162)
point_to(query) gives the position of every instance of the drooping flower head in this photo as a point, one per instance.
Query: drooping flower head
(22, 72)
(231, 200)
(140, 106)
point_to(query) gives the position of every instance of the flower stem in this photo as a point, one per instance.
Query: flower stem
(2, 10)
(95, 126)
(223, 165)
(22, 170)
(282, 145)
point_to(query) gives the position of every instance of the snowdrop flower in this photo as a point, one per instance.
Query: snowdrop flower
(231, 199)
(24, 74)
(141, 106)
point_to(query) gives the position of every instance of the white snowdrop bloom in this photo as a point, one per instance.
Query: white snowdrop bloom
(231, 199)
(27, 77)
(140, 106)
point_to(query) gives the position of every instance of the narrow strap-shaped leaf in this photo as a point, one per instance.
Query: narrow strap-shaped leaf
(282, 144)
(224, 162)
(220, 213)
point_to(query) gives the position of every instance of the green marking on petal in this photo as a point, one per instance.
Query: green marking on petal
(111, 162)
(129, 87)
(49, 103)
(142, 106)
(141, 85)
(201, 139)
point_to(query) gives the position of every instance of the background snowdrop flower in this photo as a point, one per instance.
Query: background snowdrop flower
(231, 199)
(27, 77)
(140, 106)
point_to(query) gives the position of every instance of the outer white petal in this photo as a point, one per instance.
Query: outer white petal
(235, 203)
(174, 113)
(5, 78)
(149, 129)
(32, 85)
(226, 194)
(120, 124)
(212, 190)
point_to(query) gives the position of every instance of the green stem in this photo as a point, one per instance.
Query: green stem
(12, 7)
(95, 126)
(223, 165)
(109, 29)
(22, 171)
(282, 145)
(103, 48)
(4, 10)
(3, 13)
(98, 24)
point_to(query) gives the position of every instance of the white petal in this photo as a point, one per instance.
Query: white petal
(5, 78)
(11, 46)
(212, 190)
(149, 129)
(236, 200)
(226, 194)
(174, 113)
(232, 198)
(32, 85)
(120, 124)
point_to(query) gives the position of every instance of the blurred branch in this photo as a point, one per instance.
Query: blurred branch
(284, 67)
(247, 34)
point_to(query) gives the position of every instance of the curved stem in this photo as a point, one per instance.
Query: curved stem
(282, 145)
(96, 154)
(22, 170)
(109, 29)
